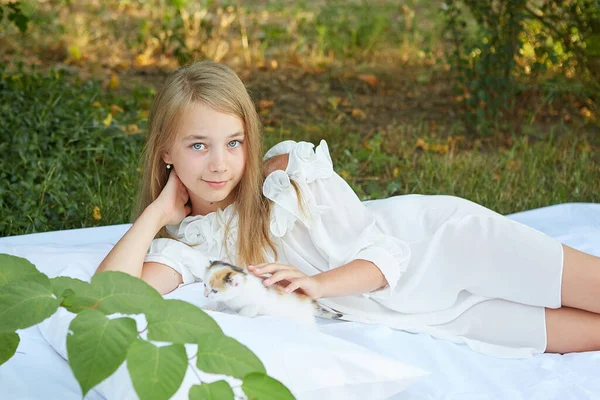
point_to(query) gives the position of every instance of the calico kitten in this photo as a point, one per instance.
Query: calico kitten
(246, 294)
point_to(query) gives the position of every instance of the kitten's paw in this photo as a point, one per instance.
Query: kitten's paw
(216, 307)
(248, 311)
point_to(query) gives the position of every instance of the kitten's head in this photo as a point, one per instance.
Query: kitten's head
(222, 280)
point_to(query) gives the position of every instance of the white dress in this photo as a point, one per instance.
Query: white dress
(456, 270)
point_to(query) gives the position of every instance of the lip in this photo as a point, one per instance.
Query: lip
(216, 184)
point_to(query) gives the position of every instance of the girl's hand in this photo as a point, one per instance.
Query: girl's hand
(171, 202)
(280, 273)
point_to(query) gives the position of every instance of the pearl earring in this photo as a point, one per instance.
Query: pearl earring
(169, 167)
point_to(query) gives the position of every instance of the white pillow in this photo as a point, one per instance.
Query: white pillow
(311, 364)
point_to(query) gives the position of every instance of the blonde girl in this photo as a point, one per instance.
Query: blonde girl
(435, 264)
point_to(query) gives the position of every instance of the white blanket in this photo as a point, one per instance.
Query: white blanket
(37, 371)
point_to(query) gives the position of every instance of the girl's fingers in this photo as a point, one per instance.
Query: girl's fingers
(276, 277)
(269, 268)
(173, 177)
(280, 275)
(292, 286)
(184, 195)
(253, 268)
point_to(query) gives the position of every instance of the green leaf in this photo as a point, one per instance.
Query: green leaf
(156, 372)
(13, 268)
(17, 16)
(220, 354)
(219, 390)
(260, 386)
(26, 302)
(98, 346)
(177, 321)
(123, 293)
(77, 294)
(8, 345)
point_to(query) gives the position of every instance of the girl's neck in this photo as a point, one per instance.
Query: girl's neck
(203, 208)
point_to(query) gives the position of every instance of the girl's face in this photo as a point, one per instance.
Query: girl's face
(209, 156)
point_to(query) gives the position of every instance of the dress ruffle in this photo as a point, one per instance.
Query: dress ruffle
(305, 165)
(206, 232)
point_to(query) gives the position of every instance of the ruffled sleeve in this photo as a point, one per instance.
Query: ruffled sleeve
(190, 263)
(339, 225)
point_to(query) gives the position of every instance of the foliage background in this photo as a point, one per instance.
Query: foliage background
(492, 101)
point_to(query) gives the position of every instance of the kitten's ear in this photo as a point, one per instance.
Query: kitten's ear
(232, 279)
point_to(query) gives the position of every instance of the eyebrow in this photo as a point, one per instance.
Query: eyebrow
(200, 137)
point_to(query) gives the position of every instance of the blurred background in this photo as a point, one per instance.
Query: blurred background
(493, 101)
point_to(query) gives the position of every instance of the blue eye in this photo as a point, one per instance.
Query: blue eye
(235, 143)
(198, 146)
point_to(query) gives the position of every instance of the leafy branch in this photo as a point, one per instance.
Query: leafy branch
(98, 345)
(15, 14)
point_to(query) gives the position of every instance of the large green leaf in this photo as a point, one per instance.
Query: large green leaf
(178, 321)
(220, 354)
(98, 346)
(8, 345)
(26, 302)
(258, 386)
(156, 372)
(219, 390)
(13, 268)
(123, 293)
(76, 295)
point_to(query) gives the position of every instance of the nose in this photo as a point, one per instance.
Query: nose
(218, 161)
(206, 292)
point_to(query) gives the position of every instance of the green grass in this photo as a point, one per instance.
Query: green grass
(554, 167)
(124, 34)
(61, 157)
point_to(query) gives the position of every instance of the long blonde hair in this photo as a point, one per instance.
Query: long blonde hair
(219, 87)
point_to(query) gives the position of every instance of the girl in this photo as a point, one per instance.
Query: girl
(435, 264)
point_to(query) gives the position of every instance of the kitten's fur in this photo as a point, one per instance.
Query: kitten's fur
(246, 294)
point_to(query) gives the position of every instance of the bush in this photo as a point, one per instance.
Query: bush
(501, 48)
(58, 135)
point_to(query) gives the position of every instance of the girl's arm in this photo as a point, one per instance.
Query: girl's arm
(129, 252)
(356, 277)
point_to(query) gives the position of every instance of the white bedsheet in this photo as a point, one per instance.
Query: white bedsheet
(38, 372)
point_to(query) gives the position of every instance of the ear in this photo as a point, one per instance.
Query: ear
(167, 158)
(232, 279)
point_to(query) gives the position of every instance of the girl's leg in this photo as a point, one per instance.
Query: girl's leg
(572, 330)
(576, 326)
(580, 281)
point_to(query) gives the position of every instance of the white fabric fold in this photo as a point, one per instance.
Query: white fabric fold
(190, 263)
(339, 225)
(206, 232)
(285, 209)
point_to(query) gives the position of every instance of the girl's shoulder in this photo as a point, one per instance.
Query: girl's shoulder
(291, 189)
(306, 163)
